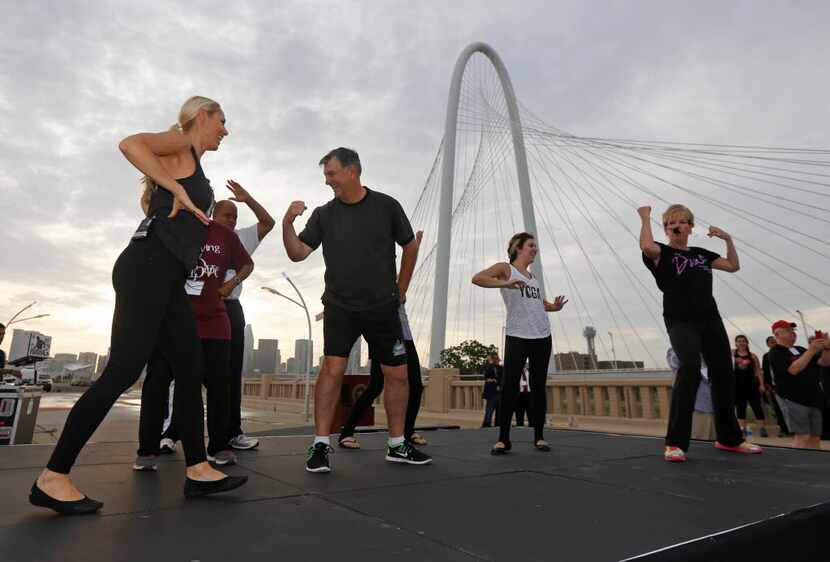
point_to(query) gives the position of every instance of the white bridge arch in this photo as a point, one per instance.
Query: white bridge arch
(442, 271)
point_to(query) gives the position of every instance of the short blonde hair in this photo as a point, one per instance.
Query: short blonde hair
(678, 209)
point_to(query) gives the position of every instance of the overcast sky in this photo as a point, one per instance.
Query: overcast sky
(298, 78)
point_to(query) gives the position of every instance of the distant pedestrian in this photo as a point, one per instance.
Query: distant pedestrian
(493, 374)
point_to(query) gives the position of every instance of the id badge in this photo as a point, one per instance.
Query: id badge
(193, 287)
(143, 230)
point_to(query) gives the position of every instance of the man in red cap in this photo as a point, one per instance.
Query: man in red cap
(797, 373)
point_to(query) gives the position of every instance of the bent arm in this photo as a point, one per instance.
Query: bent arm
(296, 249)
(730, 263)
(802, 362)
(409, 258)
(494, 277)
(143, 151)
(265, 222)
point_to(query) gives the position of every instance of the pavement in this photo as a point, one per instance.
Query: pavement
(278, 417)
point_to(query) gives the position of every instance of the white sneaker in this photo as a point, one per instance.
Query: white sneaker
(167, 446)
(243, 443)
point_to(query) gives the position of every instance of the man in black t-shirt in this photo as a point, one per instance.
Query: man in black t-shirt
(769, 395)
(358, 230)
(797, 372)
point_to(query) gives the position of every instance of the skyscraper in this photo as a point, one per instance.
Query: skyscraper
(266, 357)
(248, 359)
(303, 353)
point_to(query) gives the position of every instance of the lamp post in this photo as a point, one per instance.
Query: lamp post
(302, 305)
(803, 322)
(613, 351)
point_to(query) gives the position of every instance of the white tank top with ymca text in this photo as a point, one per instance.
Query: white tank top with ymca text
(526, 316)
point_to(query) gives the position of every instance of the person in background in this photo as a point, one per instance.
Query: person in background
(749, 384)
(770, 396)
(226, 214)
(797, 372)
(206, 287)
(492, 389)
(703, 419)
(375, 387)
(523, 403)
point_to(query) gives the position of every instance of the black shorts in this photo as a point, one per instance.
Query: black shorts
(381, 327)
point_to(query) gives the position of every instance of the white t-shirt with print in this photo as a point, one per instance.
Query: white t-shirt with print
(250, 241)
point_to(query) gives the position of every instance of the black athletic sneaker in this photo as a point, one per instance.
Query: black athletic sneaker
(406, 453)
(318, 458)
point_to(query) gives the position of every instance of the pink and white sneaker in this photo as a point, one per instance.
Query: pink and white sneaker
(674, 454)
(744, 448)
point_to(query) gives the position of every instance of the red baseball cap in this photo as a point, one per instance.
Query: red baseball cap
(782, 324)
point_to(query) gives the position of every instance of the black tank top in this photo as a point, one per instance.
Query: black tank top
(184, 234)
(744, 364)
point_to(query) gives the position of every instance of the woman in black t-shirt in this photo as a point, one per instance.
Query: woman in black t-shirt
(684, 275)
(749, 384)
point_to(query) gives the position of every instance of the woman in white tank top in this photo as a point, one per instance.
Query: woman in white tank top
(527, 335)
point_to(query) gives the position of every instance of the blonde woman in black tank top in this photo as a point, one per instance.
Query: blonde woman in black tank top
(152, 311)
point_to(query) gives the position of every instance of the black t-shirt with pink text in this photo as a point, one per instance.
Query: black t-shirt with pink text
(221, 251)
(685, 278)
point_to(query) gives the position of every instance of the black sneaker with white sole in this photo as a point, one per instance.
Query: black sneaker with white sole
(318, 458)
(406, 453)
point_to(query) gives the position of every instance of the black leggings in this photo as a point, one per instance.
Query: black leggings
(516, 352)
(157, 387)
(690, 340)
(746, 390)
(152, 311)
(237, 351)
(416, 389)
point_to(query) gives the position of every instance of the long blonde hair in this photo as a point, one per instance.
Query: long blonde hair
(187, 117)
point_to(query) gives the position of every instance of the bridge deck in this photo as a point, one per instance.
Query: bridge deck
(595, 497)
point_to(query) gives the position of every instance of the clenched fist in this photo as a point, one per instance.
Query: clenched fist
(296, 209)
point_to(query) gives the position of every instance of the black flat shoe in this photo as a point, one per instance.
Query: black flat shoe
(197, 488)
(545, 448)
(40, 498)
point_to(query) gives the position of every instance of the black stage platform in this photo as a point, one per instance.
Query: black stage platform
(596, 497)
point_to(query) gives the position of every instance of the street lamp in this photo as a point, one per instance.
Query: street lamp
(25, 319)
(613, 351)
(302, 305)
(803, 322)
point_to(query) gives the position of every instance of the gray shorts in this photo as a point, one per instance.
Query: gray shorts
(801, 419)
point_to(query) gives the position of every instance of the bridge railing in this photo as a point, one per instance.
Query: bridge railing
(631, 395)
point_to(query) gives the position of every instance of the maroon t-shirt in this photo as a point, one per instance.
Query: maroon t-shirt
(221, 251)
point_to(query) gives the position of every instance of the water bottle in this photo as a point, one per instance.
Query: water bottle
(749, 433)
